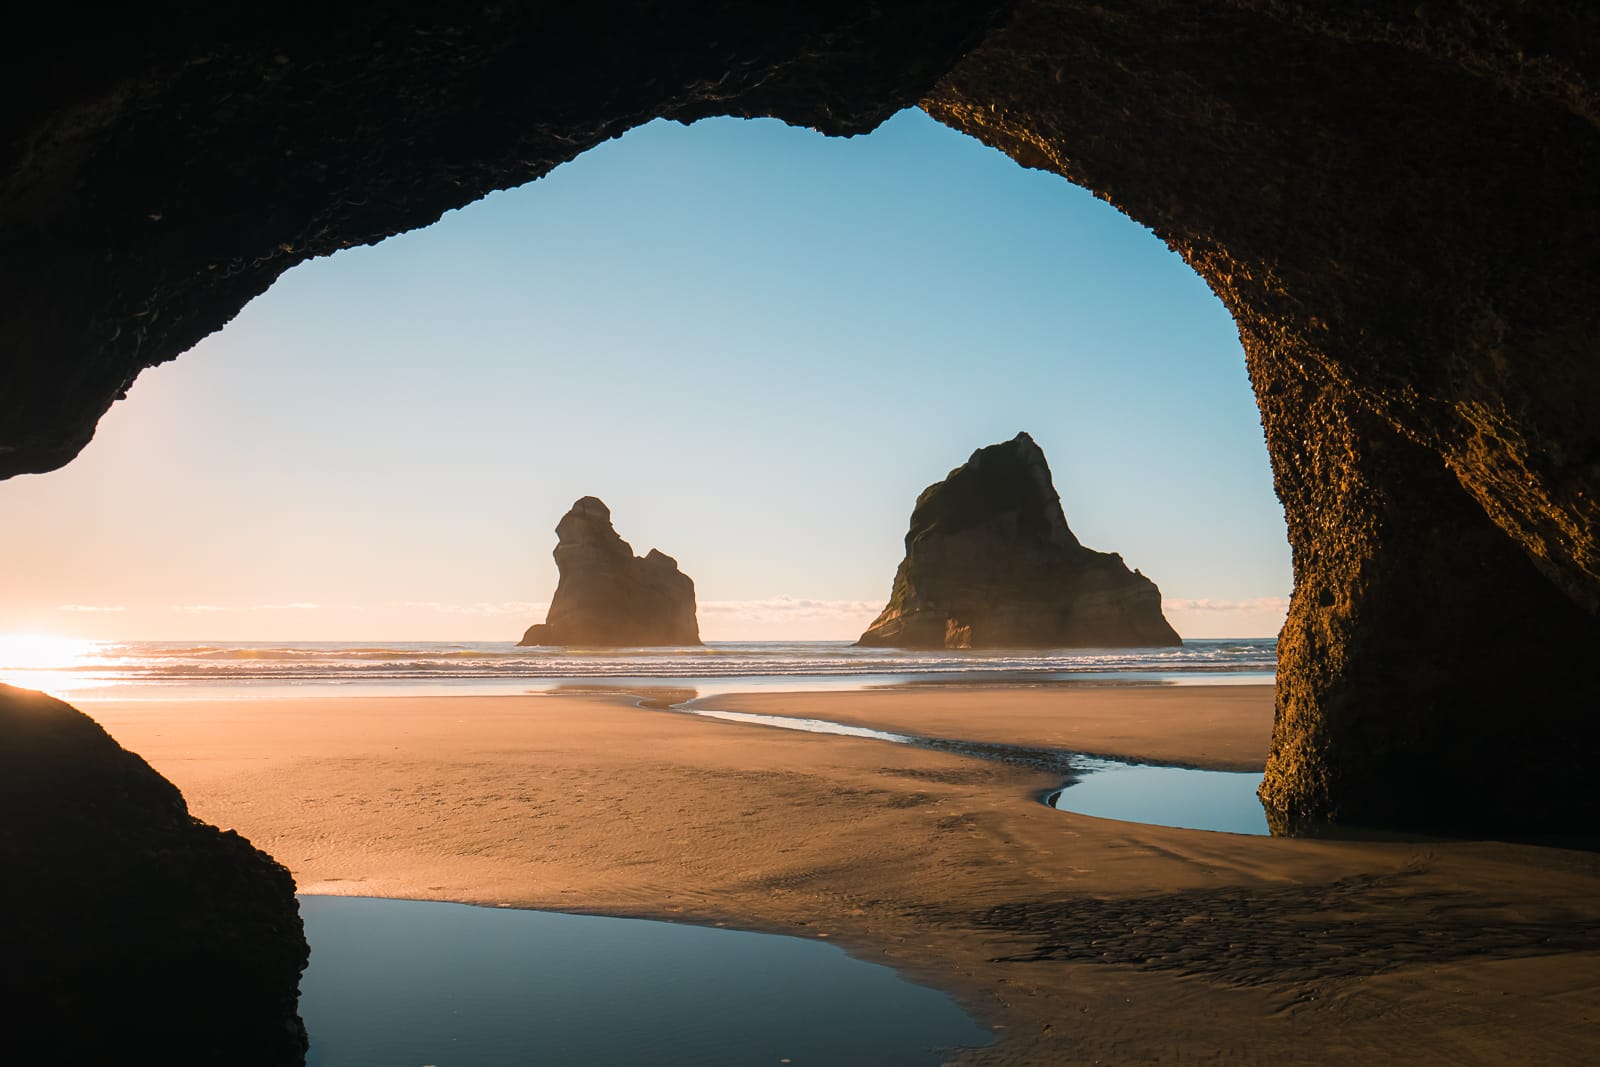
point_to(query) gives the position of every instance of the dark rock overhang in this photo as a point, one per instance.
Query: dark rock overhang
(1395, 203)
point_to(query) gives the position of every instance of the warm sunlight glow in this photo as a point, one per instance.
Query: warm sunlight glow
(37, 652)
(868, 273)
(44, 661)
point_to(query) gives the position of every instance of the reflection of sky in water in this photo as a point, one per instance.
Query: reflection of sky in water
(810, 726)
(1168, 796)
(409, 982)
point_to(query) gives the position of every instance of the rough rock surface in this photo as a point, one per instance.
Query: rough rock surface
(608, 597)
(1429, 676)
(1395, 202)
(1396, 205)
(991, 563)
(133, 931)
(160, 166)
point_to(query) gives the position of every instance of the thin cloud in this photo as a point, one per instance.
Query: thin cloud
(91, 608)
(210, 609)
(1258, 604)
(785, 618)
(508, 607)
(779, 608)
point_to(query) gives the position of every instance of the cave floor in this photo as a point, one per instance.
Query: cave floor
(1078, 939)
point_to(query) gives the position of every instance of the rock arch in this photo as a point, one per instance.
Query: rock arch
(1396, 204)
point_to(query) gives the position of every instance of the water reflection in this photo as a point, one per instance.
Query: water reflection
(409, 982)
(1166, 796)
(1161, 795)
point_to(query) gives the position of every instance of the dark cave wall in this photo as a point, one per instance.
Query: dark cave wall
(1396, 202)
(1404, 198)
(134, 931)
(162, 166)
(1397, 207)
(1429, 675)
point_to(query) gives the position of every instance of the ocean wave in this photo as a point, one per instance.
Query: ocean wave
(178, 662)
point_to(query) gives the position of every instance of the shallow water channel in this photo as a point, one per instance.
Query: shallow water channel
(395, 982)
(1165, 796)
(1161, 795)
(400, 983)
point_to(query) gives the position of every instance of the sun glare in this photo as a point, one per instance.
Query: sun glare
(42, 661)
(38, 652)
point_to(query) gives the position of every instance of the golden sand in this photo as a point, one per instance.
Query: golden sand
(1080, 939)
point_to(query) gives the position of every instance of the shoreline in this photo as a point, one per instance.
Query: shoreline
(704, 686)
(1078, 938)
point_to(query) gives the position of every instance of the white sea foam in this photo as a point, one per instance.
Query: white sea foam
(112, 666)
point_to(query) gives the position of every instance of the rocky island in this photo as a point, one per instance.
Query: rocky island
(991, 563)
(608, 597)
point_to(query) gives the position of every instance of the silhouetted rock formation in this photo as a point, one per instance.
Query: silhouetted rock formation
(608, 597)
(991, 563)
(1367, 187)
(134, 932)
(1427, 391)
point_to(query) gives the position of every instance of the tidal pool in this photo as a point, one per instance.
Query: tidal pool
(1181, 797)
(1166, 796)
(398, 983)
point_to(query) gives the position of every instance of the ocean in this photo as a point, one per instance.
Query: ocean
(90, 670)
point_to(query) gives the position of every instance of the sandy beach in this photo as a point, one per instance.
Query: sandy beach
(1079, 939)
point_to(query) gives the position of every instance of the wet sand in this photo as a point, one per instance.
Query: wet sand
(1081, 939)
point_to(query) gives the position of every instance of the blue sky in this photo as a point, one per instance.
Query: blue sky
(756, 344)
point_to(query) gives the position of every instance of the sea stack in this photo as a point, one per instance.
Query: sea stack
(609, 598)
(991, 563)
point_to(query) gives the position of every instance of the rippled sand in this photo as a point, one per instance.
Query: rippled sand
(1080, 938)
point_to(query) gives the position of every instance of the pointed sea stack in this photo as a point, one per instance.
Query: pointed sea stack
(990, 563)
(608, 597)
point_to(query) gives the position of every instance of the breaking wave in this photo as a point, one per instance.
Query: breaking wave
(176, 663)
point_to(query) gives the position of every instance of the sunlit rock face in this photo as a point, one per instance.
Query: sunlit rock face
(991, 563)
(1396, 202)
(609, 598)
(134, 932)
(1397, 205)
(1429, 677)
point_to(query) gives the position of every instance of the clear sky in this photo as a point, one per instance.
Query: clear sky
(756, 344)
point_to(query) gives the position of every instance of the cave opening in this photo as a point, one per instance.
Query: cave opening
(755, 342)
(1395, 207)
(1395, 204)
